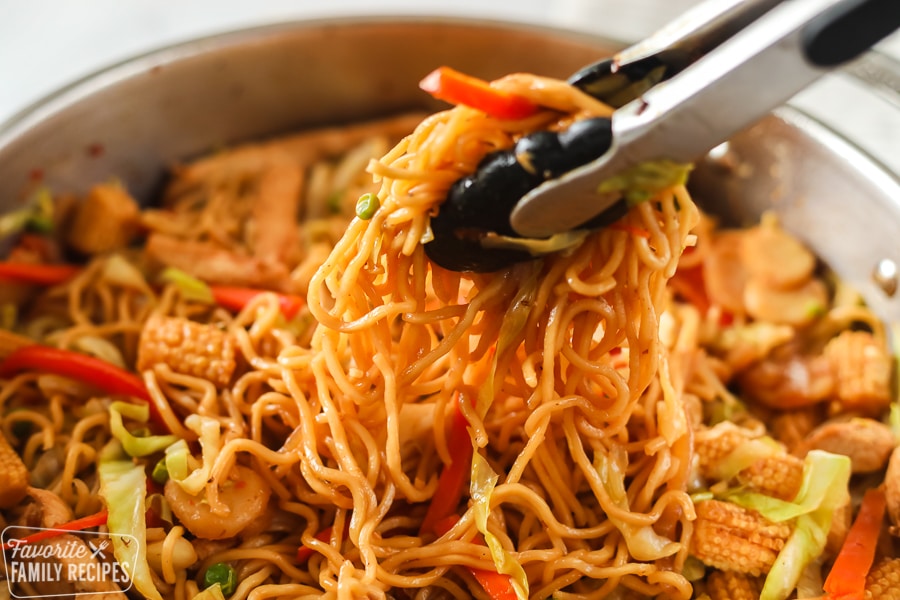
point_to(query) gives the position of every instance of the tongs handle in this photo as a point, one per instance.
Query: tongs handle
(728, 89)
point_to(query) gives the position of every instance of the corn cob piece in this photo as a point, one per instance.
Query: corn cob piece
(863, 371)
(13, 475)
(732, 538)
(10, 341)
(883, 581)
(106, 220)
(188, 348)
(728, 585)
(778, 475)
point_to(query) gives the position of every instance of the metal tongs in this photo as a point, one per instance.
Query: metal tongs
(712, 72)
(769, 58)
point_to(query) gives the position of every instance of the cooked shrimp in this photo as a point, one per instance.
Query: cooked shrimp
(245, 495)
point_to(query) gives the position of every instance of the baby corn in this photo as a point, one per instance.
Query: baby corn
(13, 475)
(729, 585)
(188, 348)
(732, 538)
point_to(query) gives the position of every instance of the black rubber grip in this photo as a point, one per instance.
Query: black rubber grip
(848, 29)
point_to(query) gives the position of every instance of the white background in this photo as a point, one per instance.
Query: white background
(45, 44)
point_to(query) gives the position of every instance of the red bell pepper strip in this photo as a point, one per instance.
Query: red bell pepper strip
(453, 478)
(847, 578)
(497, 585)
(81, 367)
(87, 522)
(37, 273)
(304, 553)
(454, 87)
(236, 298)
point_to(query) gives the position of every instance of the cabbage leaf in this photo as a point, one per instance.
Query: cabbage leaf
(123, 486)
(133, 445)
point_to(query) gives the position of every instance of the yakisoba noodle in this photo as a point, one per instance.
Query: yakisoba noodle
(541, 351)
(576, 423)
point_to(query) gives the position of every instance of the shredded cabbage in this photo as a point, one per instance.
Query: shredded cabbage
(642, 182)
(178, 456)
(190, 287)
(133, 445)
(743, 456)
(482, 486)
(823, 490)
(119, 271)
(37, 216)
(123, 486)
(643, 542)
(213, 592)
(101, 348)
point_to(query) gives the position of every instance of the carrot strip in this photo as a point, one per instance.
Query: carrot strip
(497, 585)
(847, 578)
(454, 87)
(87, 522)
(40, 274)
(453, 478)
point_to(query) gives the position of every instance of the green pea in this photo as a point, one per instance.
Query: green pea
(367, 205)
(224, 575)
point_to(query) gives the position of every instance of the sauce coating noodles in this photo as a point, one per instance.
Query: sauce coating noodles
(565, 428)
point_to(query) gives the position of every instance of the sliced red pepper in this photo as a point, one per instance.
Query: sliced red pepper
(37, 273)
(847, 578)
(236, 298)
(87, 522)
(631, 229)
(81, 367)
(454, 87)
(497, 585)
(304, 553)
(453, 478)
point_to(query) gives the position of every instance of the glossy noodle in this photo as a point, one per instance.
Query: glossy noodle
(576, 426)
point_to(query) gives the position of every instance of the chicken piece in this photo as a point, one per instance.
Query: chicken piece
(788, 380)
(214, 264)
(867, 442)
(303, 148)
(13, 475)
(188, 348)
(777, 474)
(106, 220)
(892, 487)
(730, 585)
(883, 581)
(862, 370)
(774, 257)
(66, 554)
(732, 538)
(274, 235)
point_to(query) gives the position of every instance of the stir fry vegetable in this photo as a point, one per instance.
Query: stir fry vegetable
(452, 86)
